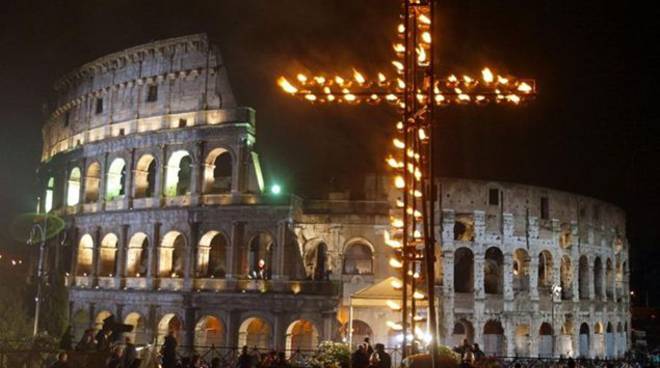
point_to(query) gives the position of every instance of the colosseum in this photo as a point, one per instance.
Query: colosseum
(151, 163)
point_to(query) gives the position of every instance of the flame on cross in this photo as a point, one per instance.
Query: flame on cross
(412, 87)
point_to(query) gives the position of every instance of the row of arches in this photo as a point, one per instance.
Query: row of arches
(212, 256)
(599, 341)
(177, 178)
(209, 330)
(603, 277)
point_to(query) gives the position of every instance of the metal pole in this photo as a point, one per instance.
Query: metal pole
(40, 271)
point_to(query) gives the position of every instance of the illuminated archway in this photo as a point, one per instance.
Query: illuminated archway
(521, 270)
(212, 255)
(115, 180)
(171, 258)
(463, 330)
(170, 323)
(138, 334)
(361, 331)
(73, 189)
(178, 174)
(316, 260)
(209, 331)
(358, 259)
(260, 256)
(301, 335)
(522, 340)
(218, 171)
(92, 182)
(493, 271)
(108, 255)
(85, 257)
(100, 318)
(255, 332)
(493, 338)
(566, 278)
(137, 255)
(145, 177)
(565, 341)
(545, 270)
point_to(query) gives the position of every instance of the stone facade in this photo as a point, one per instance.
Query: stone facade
(151, 163)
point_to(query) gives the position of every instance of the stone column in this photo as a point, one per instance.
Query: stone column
(240, 168)
(534, 336)
(159, 180)
(479, 260)
(234, 269)
(509, 337)
(189, 328)
(533, 277)
(279, 272)
(448, 293)
(233, 325)
(556, 278)
(508, 277)
(590, 277)
(129, 180)
(279, 333)
(191, 256)
(96, 256)
(603, 279)
(196, 173)
(120, 261)
(103, 183)
(152, 257)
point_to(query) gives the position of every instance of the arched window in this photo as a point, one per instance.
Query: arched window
(138, 334)
(255, 332)
(584, 340)
(583, 278)
(217, 171)
(493, 338)
(171, 259)
(301, 335)
(260, 257)
(212, 255)
(50, 191)
(520, 270)
(145, 177)
(545, 269)
(361, 331)
(178, 174)
(493, 275)
(108, 253)
(92, 182)
(73, 190)
(209, 331)
(85, 256)
(137, 255)
(545, 340)
(463, 271)
(358, 260)
(598, 278)
(116, 179)
(463, 330)
(170, 323)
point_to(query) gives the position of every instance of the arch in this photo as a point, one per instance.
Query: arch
(316, 261)
(80, 323)
(171, 258)
(521, 270)
(493, 271)
(255, 332)
(145, 177)
(138, 334)
(464, 228)
(545, 270)
(212, 255)
(218, 171)
(178, 174)
(522, 340)
(610, 339)
(546, 334)
(583, 277)
(260, 256)
(50, 193)
(73, 188)
(137, 255)
(599, 340)
(463, 330)
(598, 278)
(169, 323)
(565, 236)
(108, 254)
(301, 335)
(463, 270)
(209, 331)
(358, 259)
(100, 318)
(92, 182)
(584, 340)
(565, 340)
(493, 337)
(361, 330)
(85, 257)
(566, 278)
(116, 179)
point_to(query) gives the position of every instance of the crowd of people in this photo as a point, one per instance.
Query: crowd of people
(366, 356)
(469, 353)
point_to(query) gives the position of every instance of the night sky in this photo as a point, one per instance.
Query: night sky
(593, 129)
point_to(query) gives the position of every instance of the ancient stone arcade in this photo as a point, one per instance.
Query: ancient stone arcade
(151, 163)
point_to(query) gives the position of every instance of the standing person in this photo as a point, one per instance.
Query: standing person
(281, 361)
(245, 359)
(130, 353)
(168, 351)
(62, 361)
(86, 342)
(367, 346)
(102, 341)
(478, 353)
(359, 358)
(383, 356)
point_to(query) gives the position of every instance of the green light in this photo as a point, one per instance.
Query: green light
(275, 189)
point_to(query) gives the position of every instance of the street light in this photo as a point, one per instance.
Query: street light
(39, 230)
(555, 293)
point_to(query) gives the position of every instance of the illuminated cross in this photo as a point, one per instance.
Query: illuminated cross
(415, 91)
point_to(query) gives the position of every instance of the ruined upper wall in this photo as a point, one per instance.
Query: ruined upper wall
(158, 85)
(597, 222)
